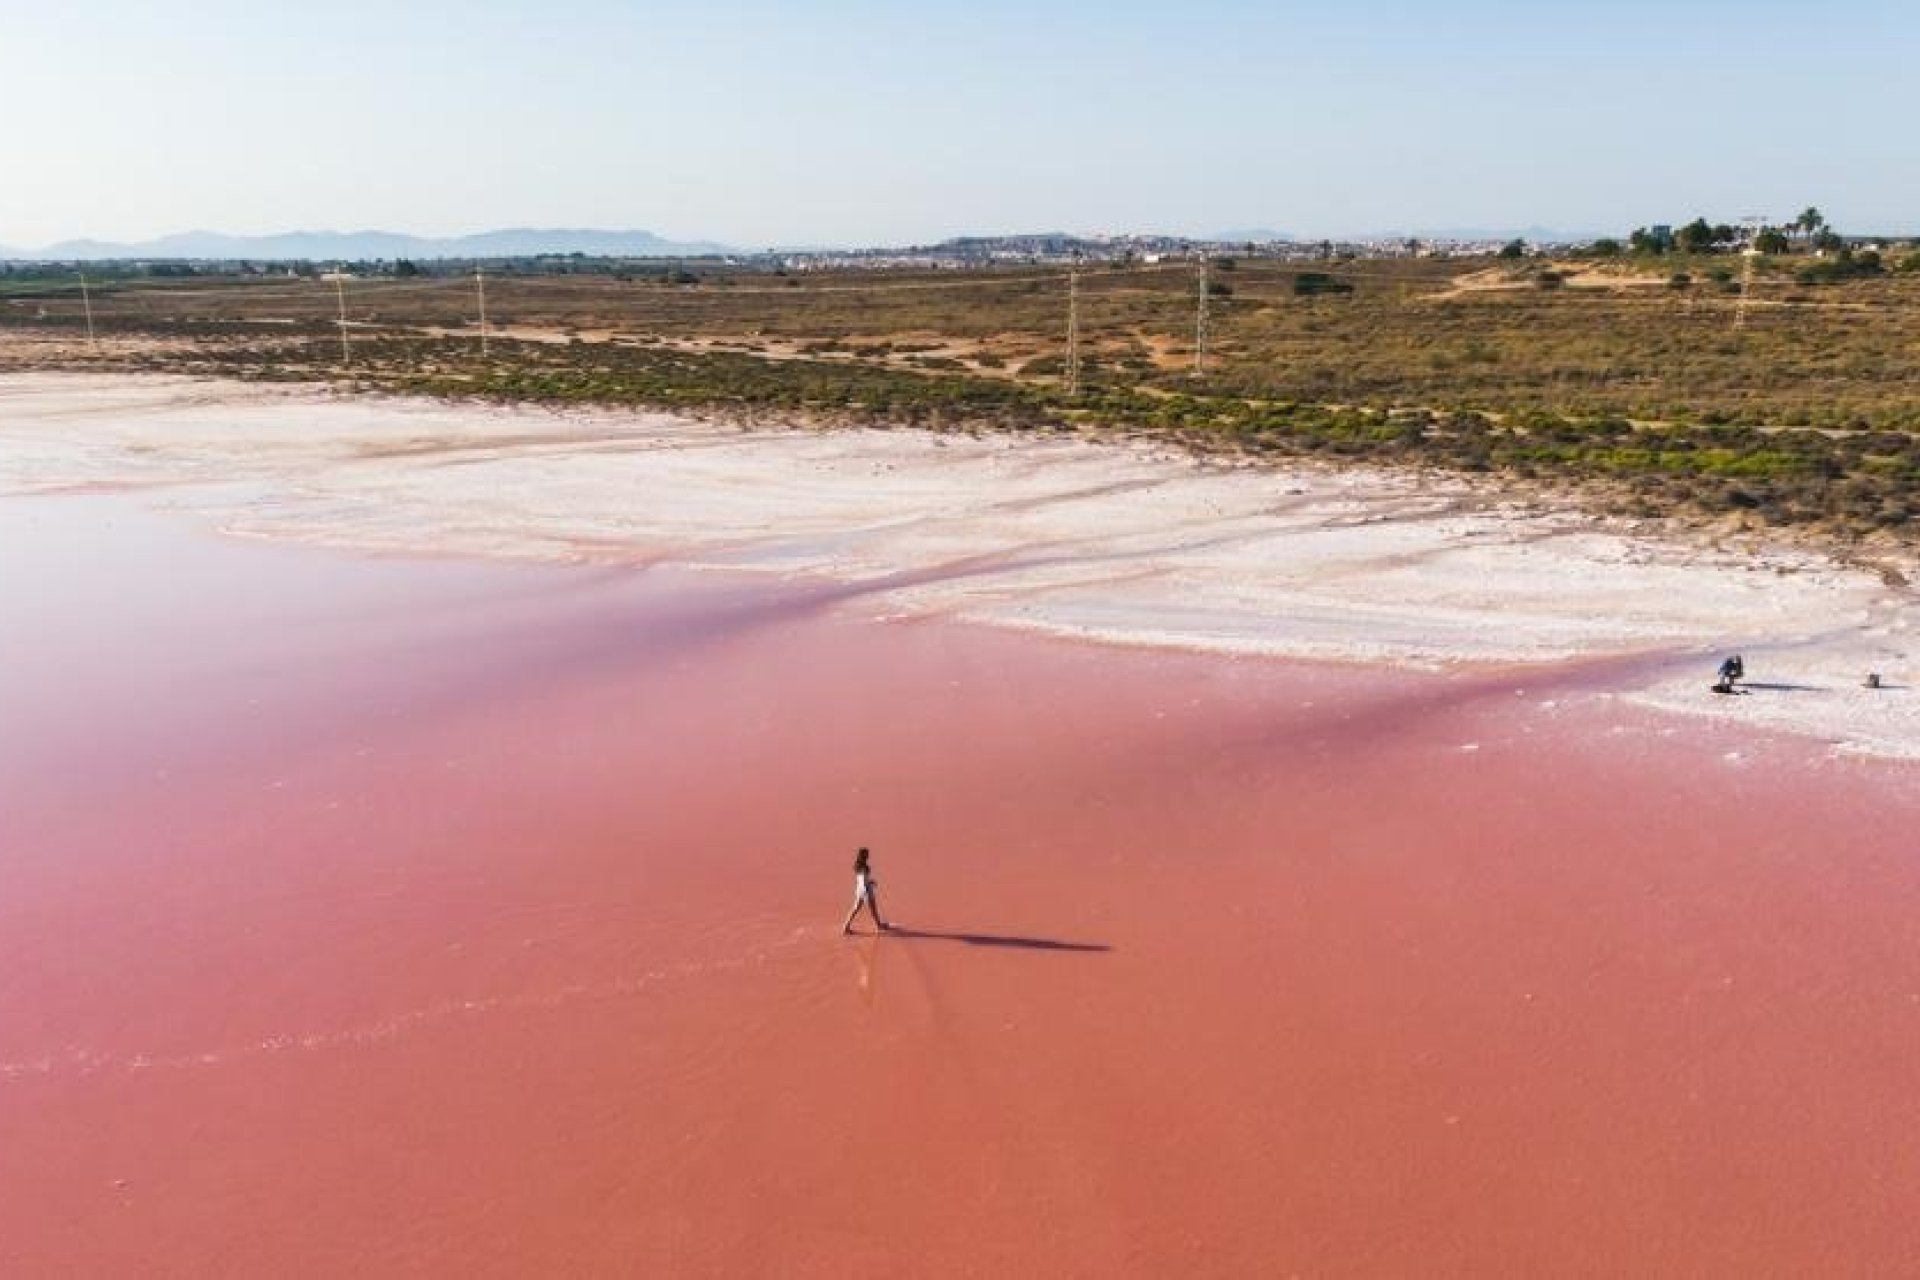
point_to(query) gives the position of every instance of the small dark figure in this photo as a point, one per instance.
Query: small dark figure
(866, 892)
(1731, 671)
(1873, 679)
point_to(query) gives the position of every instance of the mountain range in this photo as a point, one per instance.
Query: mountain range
(358, 246)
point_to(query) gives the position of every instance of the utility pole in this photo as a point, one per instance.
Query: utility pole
(340, 292)
(1073, 335)
(1200, 324)
(1755, 225)
(480, 289)
(86, 301)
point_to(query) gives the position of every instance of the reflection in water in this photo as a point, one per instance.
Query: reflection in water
(867, 953)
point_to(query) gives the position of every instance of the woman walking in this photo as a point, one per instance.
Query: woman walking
(865, 893)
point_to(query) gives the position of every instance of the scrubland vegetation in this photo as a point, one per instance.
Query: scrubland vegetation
(1636, 378)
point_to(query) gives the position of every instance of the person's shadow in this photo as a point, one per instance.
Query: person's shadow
(993, 940)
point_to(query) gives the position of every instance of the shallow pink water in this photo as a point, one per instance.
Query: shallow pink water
(482, 919)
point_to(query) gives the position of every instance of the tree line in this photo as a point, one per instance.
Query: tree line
(1810, 232)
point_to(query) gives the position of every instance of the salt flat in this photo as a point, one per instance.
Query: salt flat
(1123, 542)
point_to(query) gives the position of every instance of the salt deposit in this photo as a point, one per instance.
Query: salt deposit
(1123, 542)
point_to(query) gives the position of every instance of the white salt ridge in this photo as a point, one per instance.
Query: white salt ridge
(1125, 543)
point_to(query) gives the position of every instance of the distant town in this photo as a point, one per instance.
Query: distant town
(643, 254)
(972, 252)
(959, 254)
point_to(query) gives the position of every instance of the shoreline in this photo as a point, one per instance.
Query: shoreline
(1117, 541)
(1618, 503)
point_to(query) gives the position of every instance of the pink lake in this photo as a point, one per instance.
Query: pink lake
(387, 916)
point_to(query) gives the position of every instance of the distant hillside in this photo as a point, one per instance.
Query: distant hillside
(322, 246)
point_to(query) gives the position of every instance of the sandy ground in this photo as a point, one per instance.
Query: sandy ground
(1121, 542)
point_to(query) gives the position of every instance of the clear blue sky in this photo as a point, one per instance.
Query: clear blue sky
(763, 123)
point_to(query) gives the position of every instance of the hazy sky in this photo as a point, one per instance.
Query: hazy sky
(768, 123)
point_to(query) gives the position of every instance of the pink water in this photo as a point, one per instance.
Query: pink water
(470, 919)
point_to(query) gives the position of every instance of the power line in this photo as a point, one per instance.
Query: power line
(480, 288)
(1073, 334)
(1754, 226)
(340, 291)
(86, 301)
(1200, 325)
